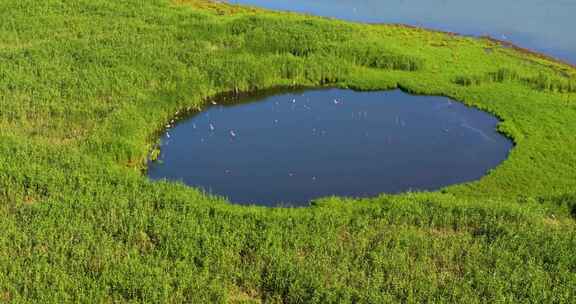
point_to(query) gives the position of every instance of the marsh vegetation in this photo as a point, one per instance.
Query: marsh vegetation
(86, 87)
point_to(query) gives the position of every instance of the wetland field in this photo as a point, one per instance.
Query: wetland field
(191, 151)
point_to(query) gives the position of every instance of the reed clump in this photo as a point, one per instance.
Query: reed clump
(540, 82)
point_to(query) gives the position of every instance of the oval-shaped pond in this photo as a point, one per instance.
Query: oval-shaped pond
(289, 147)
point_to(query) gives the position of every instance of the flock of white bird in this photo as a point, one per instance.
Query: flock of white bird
(362, 114)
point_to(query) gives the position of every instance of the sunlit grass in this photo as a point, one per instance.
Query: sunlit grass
(85, 87)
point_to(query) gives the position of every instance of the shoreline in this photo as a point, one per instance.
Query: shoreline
(503, 43)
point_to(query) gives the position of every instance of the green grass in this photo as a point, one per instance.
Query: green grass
(85, 87)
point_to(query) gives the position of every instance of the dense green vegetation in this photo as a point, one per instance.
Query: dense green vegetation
(85, 87)
(542, 82)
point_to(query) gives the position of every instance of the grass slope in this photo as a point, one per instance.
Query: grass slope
(85, 87)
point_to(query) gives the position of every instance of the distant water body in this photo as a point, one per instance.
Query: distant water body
(547, 26)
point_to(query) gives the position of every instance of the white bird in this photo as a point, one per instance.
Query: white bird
(293, 100)
(232, 133)
(336, 101)
(214, 103)
(212, 127)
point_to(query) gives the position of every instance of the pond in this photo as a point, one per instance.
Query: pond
(287, 147)
(545, 26)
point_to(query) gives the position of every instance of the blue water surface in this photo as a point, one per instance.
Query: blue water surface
(290, 147)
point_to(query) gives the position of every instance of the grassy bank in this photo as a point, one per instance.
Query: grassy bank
(85, 87)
